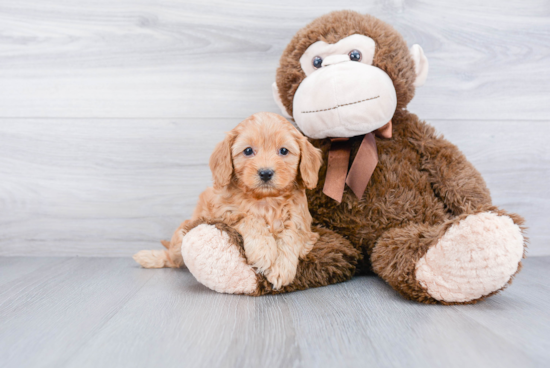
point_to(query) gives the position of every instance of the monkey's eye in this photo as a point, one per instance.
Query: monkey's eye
(355, 55)
(248, 151)
(317, 62)
(283, 151)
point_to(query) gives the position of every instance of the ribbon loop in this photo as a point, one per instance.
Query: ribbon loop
(337, 168)
(363, 166)
(361, 169)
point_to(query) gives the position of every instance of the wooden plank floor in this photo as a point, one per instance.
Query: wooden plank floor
(108, 312)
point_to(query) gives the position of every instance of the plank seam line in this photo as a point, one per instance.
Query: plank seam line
(104, 324)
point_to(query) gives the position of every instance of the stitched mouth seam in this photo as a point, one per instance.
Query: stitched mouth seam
(335, 107)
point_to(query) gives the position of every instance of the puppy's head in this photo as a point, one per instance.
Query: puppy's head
(265, 155)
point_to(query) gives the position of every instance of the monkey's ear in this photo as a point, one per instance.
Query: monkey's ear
(221, 162)
(420, 65)
(278, 101)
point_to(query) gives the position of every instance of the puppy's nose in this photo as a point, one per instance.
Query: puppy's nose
(265, 174)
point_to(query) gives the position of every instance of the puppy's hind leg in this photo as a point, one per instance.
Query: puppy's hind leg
(152, 258)
(171, 257)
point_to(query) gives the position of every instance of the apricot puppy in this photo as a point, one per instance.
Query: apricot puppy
(260, 173)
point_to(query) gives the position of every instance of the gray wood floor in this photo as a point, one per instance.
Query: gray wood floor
(108, 312)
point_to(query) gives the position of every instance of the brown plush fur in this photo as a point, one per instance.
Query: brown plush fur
(407, 186)
(422, 185)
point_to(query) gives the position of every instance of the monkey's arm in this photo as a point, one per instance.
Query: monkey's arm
(332, 259)
(221, 264)
(453, 178)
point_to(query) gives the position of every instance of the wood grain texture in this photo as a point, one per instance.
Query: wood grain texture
(108, 312)
(99, 187)
(175, 59)
(47, 314)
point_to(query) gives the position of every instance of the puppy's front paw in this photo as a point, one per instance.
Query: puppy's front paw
(261, 253)
(282, 273)
(308, 246)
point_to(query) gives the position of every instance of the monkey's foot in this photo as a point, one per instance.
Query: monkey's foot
(474, 258)
(217, 260)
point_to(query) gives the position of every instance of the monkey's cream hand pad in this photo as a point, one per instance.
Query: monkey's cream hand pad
(343, 98)
(215, 262)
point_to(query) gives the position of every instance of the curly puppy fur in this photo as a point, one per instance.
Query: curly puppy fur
(270, 212)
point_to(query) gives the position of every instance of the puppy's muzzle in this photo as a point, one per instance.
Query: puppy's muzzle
(265, 174)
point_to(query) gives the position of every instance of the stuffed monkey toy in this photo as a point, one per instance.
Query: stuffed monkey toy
(393, 197)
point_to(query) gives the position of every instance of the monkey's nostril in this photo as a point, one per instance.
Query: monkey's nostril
(265, 174)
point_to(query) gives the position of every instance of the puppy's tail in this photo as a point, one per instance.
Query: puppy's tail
(153, 258)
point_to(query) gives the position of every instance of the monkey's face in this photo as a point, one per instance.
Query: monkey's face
(345, 74)
(343, 95)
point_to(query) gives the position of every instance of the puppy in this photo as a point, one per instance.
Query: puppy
(260, 172)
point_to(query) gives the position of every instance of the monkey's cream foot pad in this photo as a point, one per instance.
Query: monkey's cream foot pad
(217, 263)
(475, 257)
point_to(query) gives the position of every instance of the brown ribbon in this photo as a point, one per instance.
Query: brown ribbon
(361, 169)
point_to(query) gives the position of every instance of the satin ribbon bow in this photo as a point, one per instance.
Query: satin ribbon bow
(361, 169)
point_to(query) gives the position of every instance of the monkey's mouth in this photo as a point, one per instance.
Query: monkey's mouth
(338, 106)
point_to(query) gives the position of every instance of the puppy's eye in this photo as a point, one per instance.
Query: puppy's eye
(317, 62)
(248, 151)
(283, 151)
(355, 55)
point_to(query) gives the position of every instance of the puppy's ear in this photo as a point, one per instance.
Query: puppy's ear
(310, 163)
(221, 162)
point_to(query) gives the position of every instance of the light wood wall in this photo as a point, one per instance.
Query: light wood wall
(110, 109)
